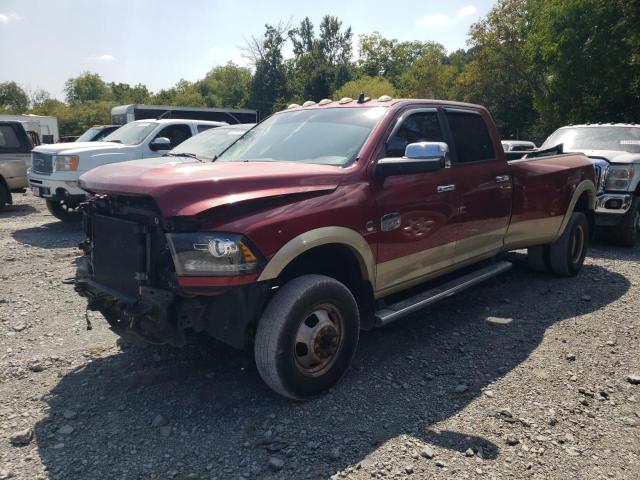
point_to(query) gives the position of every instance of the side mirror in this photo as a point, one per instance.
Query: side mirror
(160, 143)
(418, 157)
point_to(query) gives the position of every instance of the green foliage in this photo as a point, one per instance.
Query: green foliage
(228, 86)
(269, 84)
(13, 99)
(320, 64)
(372, 87)
(587, 55)
(87, 87)
(497, 74)
(428, 76)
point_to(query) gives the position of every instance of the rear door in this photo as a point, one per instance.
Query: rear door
(483, 179)
(415, 226)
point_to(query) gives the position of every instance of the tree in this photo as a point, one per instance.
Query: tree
(269, 83)
(124, 94)
(13, 99)
(38, 97)
(86, 87)
(587, 55)
(498, 74)
(428, 76)
(227, 86)
(389, 58)
(372, 87)
(321, 64)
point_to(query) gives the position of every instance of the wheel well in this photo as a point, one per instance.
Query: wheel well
(341, 263)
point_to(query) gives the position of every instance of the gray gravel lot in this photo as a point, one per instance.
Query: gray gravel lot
(526, 376)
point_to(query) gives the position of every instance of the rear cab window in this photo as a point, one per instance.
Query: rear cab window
(13, 140)
(471, 139)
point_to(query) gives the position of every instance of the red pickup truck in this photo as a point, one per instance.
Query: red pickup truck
(319, 222)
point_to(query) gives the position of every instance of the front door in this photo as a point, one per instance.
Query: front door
(483, 179)
(416, 212)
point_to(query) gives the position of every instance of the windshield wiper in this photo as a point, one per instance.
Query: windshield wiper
(185, 154)
(114, 141)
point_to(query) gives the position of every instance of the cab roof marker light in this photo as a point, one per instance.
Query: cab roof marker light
(293, 105)
(344, 100)
(385, 98)
(308, 103)
(325, 101)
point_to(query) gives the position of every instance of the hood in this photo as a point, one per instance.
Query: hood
(184, 189)
(613, 156)
(74, 148)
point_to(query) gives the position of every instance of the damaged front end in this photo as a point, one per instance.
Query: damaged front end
(127, 273)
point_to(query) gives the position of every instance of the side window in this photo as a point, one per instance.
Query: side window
(417, 127)
(175, 133)
(202, 128)
(8, 138)
(471, 137)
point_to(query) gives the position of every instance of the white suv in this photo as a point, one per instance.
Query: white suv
(55, 169)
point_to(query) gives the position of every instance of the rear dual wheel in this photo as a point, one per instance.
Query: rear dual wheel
(307, 336)
(564, 257)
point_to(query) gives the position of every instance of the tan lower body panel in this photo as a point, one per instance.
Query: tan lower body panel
(532, 232)
(405, 272)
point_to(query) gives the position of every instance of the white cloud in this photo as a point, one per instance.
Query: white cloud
(444, 20)
(467, 10)
(9, 17)
(106, 57)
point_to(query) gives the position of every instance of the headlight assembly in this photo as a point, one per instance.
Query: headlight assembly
(213, 254)
(619, 177)
(66, 163)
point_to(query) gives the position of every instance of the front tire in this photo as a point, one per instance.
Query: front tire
(628, 233)
(64, 211)
(307, 336)
(4, 196)
(567, 254)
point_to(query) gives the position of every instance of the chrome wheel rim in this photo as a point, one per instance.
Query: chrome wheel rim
(66, 207)
(577, 244)
(318, 340)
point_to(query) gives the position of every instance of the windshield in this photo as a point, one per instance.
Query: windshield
(622, 139)
(88, 135)
(209, 144)
(132, 133)
(330, 137)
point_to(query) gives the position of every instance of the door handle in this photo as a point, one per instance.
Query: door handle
(445, 188)
(503, 178)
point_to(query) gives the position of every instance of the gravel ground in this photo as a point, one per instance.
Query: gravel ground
(526, 376)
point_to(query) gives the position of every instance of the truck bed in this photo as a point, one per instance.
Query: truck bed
(544, 190)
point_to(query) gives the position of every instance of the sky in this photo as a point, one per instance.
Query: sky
(158, 42)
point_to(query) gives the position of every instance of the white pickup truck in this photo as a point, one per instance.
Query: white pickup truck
(55, 169)
(614, 148)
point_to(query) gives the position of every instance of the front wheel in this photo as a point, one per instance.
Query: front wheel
(65, 211)
(4, 196)
(567, 254)
(628, 233)
(307, 336)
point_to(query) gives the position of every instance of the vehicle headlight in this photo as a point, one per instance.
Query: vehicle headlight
(213, 254)
(66, 163)
(619, 177)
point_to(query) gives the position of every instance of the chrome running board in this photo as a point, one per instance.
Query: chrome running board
(397, 310)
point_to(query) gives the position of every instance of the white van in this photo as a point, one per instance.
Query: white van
(55, 169)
